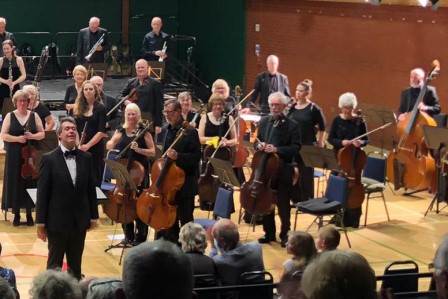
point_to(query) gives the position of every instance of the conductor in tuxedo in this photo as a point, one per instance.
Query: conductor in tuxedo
(66, 205)
(269, 82)
(87, 38)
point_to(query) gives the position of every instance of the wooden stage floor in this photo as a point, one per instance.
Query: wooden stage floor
(408, 236)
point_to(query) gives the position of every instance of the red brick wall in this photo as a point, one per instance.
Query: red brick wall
(366, 49)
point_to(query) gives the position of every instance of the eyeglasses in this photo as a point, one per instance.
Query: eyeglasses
(166, 112)
(98, 283)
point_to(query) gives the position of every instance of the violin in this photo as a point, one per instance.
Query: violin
(409, 164)
(156, 206)
(351, 161)
(257, 195)
(29, 169)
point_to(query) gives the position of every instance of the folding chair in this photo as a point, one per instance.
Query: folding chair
(223, 208)
(374, 180)
(332, 204)
(321, 179)
(106, 184)
(259, 278)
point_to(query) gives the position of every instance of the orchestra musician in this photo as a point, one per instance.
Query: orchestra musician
(90, 114)
(39, 108)
(153, 42)
(188, 114)
(149, 93)
(19, 127)
(284, 140)
(4, 35)
(113, 120)
(221, 88)
(12, 71)
(310, 118)
(87, 38)
(72, 91)
(186, 153)
(142, 149)
(344, 128)
(268, 82)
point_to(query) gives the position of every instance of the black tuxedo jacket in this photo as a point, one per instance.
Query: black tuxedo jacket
(430, 99)
(61, 205)
(263, 88)
(83, 46)
(150, 97)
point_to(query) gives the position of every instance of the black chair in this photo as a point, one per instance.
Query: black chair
(256, 278)
(106, 184)
(374, 180)
(404, 283)
(206, 281)
(332, 204)
(223, 208)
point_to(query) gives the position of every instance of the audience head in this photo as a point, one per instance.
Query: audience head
(84, 284)
(328, 238)
(416, 77)
(6, 291)
(301, 245)
(156, 25)
(53, 284)
(105, 288)
(150, 266)
(193, 238)
(272, 64)
(440, 264)
(348, 100)
(339, 274)
(225, 234)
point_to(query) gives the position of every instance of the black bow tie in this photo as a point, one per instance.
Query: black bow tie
(69, 154)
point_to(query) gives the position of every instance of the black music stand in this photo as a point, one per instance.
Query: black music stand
(122, 177)
(377, 116)
(224, 171)
(318, 157)
(436, 138)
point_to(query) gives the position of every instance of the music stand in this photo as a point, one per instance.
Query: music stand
(156, 69)
(122, 177)
(377, 116)
(318, 157)
(435, 139)
(49, 143)
(98, 69)
(224, 171)
(8, 106)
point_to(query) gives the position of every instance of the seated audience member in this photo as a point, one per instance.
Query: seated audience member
(440, 264)
(84, 284)
(157, 270)
(105, 288)
(339, 274)
(235, 258)
(6, 291)
(8, 274)
(52, 284)
(193, 240)
(328, 238)
(301, 246)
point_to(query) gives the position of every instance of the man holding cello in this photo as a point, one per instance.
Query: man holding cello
(279, 135)
(186, 153)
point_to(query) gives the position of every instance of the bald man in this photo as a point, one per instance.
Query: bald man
(153, 41)
(4, 35)
(87, 38)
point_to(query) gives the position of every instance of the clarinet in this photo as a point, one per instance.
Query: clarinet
(10, 76)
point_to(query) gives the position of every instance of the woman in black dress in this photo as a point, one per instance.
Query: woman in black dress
(310, 118)
(12, 71)
(79, 75)
(90, 115)
(19, 128)
(39, 108)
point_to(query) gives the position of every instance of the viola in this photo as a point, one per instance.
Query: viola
(29, 169)
(156, 206)
(257, 195)
(409, 164)
(351, 161)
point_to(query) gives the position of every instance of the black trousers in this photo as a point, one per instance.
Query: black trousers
(69, 243)
(138, 233)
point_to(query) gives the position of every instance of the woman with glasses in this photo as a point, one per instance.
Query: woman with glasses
(20, 128)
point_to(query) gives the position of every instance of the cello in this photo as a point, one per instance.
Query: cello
(241, 153)
(411, 150)
(257, 196)
(156, 206)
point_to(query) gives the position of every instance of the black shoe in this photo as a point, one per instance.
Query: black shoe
(266, 240)
(29, 220)
(16, 221)
(283, 242)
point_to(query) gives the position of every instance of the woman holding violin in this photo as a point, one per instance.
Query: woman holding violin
(310, 118)
(73, 90)
(139, 151)
(188, 114)
(19, 128)
(90, 116)
(186, 153)
(344, 129)
(40, 109)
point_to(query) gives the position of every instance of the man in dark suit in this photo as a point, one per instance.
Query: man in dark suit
(430, 103)
(186, 153)
(4, 35)
(113, 120)
(268, 82)
(66, 205)
(279, 135)
(155, 42)
(149, 93)
(87, 38)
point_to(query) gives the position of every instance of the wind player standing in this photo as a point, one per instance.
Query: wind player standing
(285, 142)
(87, 38)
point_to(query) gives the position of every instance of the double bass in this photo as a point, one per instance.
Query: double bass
(257, 196)
(409, 164)
(156, 206)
